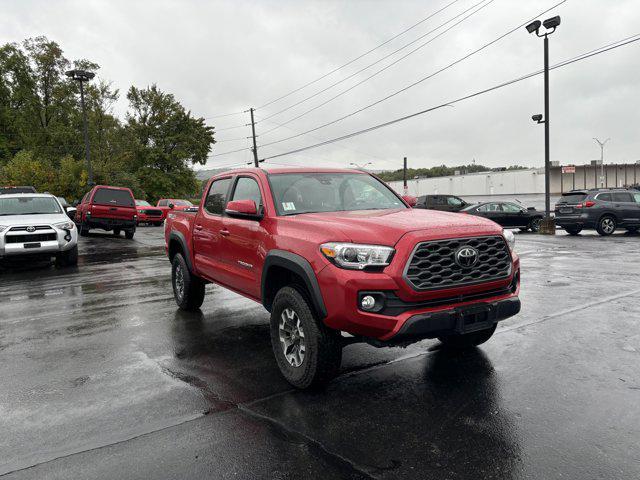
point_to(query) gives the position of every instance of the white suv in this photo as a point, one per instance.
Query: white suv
(36, 224)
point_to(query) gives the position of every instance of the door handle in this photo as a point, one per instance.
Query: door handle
(224, 232)
(198, 227)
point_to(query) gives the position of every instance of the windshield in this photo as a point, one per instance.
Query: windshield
(296, 193)
(182, 203)
(142, 203)
(28, 206)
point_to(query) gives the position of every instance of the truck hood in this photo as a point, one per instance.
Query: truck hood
(386, 227)
(18, 220)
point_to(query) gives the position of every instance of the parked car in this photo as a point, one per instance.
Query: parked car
(34, 224)
(508, 214)
(602, 209)
(446, 203)
(174, 204)
(330, 251)
(108, 208)
(69, 210)
(10, 189)
(149, 214)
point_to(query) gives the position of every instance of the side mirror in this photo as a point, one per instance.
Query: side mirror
(75, 203)
(412, 201)
(243, 209)
(172, 206)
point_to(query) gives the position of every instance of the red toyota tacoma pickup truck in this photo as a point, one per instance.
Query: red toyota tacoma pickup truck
(336, 257)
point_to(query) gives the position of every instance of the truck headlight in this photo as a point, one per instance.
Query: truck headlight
(510, 238)
(357, 257)
(65, 225)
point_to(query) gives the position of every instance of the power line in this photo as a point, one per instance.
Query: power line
(231, 128)
(378, 61)
(359, 56)
(606, 48)
(224, 115)
(397, 92)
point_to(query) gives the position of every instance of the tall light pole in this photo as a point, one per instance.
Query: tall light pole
(82, 76)
(361, 167)
(550, 24)
(602, 144)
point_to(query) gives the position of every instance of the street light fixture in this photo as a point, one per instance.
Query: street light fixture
(82, 76)
(550, 24)
(361, 167)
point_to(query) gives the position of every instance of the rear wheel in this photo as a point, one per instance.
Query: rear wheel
(573, 230)
(157, 224)
(68, 258)
(116, 232)
(467, 340)
(188, 290)
(307, 352)
(607, 225)
(128, 234)
(82, 230)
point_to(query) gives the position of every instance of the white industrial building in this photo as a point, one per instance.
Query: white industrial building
(530, 181)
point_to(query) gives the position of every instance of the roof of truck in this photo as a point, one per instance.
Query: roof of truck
(276, 170)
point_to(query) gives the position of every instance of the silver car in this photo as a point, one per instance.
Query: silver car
(33, 224)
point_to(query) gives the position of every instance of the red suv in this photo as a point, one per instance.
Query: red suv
(107, 208)
(334, 252)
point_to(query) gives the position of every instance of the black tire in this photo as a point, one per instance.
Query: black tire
(606, 225)
(188, 290)
(157, 224)
(68, 258)
(534, 224)
(467, 340)
(116, 232)
(83, 231)
(573, 230)
(128, 234)
(322, 353)
(524, 229)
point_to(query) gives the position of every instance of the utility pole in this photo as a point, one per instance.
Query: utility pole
(82, 76)
(404, 177)
(602, 144)
(253, 133)
(548, 225)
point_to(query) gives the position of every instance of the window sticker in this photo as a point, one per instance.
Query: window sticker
(288, 206)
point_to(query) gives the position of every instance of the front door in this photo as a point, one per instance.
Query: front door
(514, 215)
(244, 249)
(208, 231)
(625, 204)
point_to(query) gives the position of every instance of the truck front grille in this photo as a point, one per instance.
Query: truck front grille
(432, 265)
(38, 237)
(153, 213)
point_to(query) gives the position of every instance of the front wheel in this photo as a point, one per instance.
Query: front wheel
(467, 340)
(534, 225)
(68, 258)
(607, 225)
(128, 234)
(188, 290)
(307, 352)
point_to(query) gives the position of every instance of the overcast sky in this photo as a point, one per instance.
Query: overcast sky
(218, 57)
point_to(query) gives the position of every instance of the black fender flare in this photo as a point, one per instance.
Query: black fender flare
(179, 237)
(301, 267)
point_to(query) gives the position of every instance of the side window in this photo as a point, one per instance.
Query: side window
(636, 197)
(247, 189)
(511, 207)
(217, 196)
(621, 197)
(454, 201)
(163, 203)
(490, 207)
(605, 197)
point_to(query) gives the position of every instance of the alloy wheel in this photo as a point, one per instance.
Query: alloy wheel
(608, 225)
(291, 337)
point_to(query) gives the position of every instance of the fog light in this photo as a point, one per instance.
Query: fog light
(67, 237)
(368, 302)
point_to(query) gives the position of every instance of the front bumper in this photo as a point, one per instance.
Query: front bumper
(64, 240)
(407, 314)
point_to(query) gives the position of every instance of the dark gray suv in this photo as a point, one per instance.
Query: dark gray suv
(604, 209)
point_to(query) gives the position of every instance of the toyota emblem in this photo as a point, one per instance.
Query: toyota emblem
(466, 257)
(31, 229)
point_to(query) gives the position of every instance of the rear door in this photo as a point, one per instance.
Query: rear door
(207, 232)
(243, 244)
(113, 203)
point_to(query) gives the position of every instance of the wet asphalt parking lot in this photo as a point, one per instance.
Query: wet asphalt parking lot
(102, 377)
